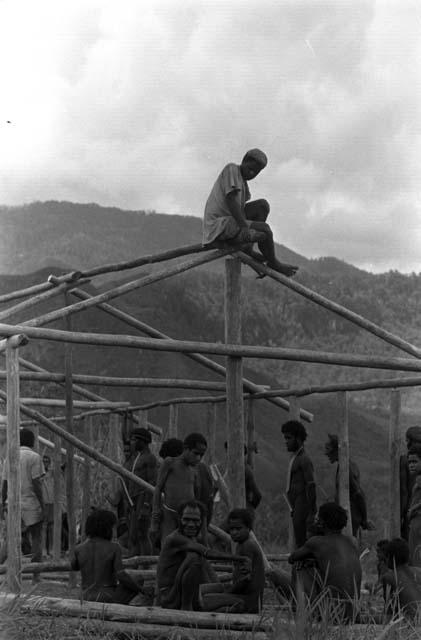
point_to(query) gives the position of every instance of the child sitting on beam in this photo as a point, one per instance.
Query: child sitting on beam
(230, 218)
(99, 560)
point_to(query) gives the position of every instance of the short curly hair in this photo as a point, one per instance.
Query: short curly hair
(100, 523)
(193, 439)
(333, 516)
(295, 428)
(171, 448)
(244, 515)
(397, 552)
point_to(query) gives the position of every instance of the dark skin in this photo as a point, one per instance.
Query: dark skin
(293, 445)
(404, 583)
(249, 169)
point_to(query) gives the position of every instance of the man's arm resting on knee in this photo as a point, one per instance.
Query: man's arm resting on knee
(302, 553)
(234, 205)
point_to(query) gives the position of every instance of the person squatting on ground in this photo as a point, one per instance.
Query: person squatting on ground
(245, 594)
(414, 509)
(330, 563)
(301, 486)
(178, 482)
(229, 217)
(401, 582)
(145, 466)
(32, 501)
(100, 562)
(357, 498)
(413, 437)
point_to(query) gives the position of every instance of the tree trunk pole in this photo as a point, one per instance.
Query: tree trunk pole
(251, 434)
(70, 476)
(235, 408)
(173, 421)
(343, 458)
(87, 473)
(394, 451)
(14, 533)
(211, 432)
(294, 408)
(58, 490)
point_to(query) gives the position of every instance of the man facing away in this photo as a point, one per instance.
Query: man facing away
(32, 501)
(229, 217)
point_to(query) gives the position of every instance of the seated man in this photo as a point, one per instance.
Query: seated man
(99, 561)
(402, 580)
(336, 567)
(182, 564)
(230, 218)
(245, 594)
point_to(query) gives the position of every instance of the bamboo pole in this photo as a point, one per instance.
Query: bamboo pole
(173, 422)
(340, 310)
(234, 366)
(394, 453)
(91, 452)
(343, 458)
(58, 492)
(203, 360)
(112, 381)
(70, 472)
(231, 350)
(86, 484)
(157, 276)
(14, 535)
(16, 339)
(211, 428)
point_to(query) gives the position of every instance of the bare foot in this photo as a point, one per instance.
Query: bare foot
(286, 269)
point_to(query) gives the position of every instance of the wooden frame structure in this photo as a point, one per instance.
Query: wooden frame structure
(237, 388)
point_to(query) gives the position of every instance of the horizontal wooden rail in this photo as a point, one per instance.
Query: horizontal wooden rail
(188, 346)
(109, 381)
(79, 404)
(39, 288)
(197, 357)
(340, 310)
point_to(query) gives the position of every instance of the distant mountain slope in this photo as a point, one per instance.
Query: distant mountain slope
(86, 235)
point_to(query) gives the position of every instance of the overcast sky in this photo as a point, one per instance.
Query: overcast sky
(140, 104)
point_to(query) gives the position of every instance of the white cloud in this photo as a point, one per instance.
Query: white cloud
(140, 104)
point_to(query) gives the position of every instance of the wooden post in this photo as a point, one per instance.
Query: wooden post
(70, 477)
(343, 458)
(35, 429)
(394, 451)
(58, 490)
(173, 421)
(14, 533)
(251, 435)
(86, 485)
(235, 409)
(211, 432)
(143, 419)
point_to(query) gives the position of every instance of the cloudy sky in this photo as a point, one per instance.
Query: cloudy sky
(140, 104)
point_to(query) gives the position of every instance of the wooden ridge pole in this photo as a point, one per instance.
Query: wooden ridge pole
(231, 350)
(70, 472)
(14, 534)
(343, 458)
(394, 454)
(234, 366)
(353, 317)
(157, 276)
(197, 357)
(173, 421)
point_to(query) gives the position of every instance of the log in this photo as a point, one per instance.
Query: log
(232, 350)
(13, 580)
(110, 381)
(39, 288)
(234, 367)
(343, 459)
(51, 445)
(70, 471)
(58, 488)
(251, 434)
(157, 276)
(86, 484)
(80, 404)
(340, 310)
(206, 362)
(107, 628)
(150, 615)
(394, 457)
(91, 452)
(13, 341)
(211, 428)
